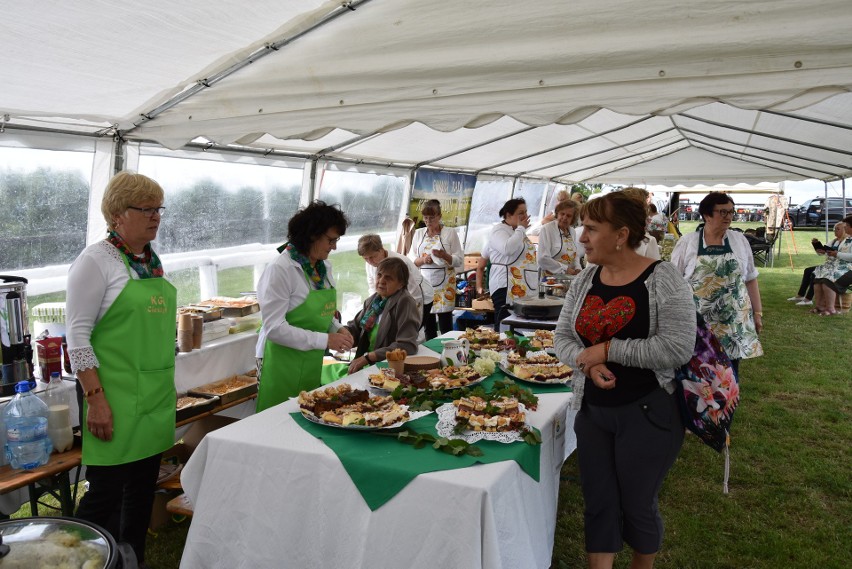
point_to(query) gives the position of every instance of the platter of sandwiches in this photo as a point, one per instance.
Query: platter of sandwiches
(449, 377)
(498, 415)
(542, 340)
(483, 338)
(344, 407)
(536, 367)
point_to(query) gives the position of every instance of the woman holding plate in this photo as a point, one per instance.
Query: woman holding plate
(297, 301)
(437, 252)
(559, 251)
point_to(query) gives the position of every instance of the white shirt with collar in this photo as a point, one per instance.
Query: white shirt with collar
(550, 244)
(282, 287)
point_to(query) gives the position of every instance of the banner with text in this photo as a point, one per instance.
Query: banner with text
(453, 191)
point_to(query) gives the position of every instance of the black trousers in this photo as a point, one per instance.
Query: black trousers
(444, 322)
(624, 454)
(806, 288)
(428, 323)
(501, 310)
(120, 499)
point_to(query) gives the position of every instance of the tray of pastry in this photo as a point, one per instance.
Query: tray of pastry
(208, 313)
(228, 389)
(189, 406)
(232, 307)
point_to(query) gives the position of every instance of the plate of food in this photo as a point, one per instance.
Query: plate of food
(344, 407)
(449, 377)
(475, 418)
(542, 340)
(536, 367)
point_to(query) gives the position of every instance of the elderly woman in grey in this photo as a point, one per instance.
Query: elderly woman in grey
(389, 320)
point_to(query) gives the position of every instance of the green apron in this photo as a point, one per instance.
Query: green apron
(288, 371)
(333, 372)
(135, 346)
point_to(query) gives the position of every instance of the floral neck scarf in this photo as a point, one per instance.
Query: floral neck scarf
(317, 276)
(372, 314)
(148, 266)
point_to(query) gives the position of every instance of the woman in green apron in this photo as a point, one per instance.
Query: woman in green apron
(718, 263)
(298, 301)
(390, 319)
(121, 338)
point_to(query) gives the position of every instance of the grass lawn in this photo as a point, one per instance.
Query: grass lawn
(790, 501)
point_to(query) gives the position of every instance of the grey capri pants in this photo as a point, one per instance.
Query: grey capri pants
(624, 454)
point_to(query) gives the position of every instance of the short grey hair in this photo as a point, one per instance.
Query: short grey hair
(370, 243)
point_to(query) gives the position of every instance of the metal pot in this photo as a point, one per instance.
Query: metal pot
(538, 308)
(48, 542)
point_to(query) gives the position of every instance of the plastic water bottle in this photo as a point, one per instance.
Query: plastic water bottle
(25, 416)
(58, 400)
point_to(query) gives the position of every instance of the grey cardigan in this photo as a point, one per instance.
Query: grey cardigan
(398, 325)
(671, 338)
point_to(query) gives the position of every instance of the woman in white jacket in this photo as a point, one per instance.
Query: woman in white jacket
(437, 252)
(514, 270)
(559, 250)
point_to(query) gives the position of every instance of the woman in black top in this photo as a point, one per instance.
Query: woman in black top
(627, 323)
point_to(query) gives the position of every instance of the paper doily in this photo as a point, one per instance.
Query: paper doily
(447, 422)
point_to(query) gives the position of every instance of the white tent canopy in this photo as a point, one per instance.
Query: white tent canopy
(650, 92)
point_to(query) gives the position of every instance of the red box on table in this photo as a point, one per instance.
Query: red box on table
(49, 352)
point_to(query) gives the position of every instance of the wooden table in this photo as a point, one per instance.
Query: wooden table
(53, 477)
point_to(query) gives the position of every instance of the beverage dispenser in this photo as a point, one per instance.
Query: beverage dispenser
(17, 351)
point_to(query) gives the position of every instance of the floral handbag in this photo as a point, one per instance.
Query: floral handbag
(708, 392)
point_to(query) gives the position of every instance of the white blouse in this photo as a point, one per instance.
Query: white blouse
(95, 279)
(504, 247)
(282, 287)
(550, 244)
(451, 243)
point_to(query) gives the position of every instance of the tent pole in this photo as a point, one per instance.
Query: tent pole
(309, 181)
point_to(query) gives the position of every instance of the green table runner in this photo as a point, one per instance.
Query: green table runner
(381, 466)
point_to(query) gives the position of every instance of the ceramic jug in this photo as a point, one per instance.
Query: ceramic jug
(454, 352)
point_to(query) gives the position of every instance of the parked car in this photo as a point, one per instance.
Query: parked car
(813, 212)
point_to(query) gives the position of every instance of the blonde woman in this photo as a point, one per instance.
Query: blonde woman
(437, 252)
(835, 275)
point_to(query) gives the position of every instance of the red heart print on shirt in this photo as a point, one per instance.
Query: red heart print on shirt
(599, 322)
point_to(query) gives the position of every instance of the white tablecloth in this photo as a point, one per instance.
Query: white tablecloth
(268, 494)
(217, 359)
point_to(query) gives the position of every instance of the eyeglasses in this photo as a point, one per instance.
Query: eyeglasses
(332, 240)
(724, 212)
(148, 211)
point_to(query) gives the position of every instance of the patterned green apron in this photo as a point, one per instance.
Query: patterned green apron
(722, 299)
(135, 346)
(288, 371)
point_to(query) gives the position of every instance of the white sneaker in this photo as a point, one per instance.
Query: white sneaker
(796, 298)
(805, 302)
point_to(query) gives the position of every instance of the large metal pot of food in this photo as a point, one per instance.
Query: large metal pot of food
(538, 308)
(26, 543)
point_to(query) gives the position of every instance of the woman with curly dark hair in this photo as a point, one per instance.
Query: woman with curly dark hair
(297, 302)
